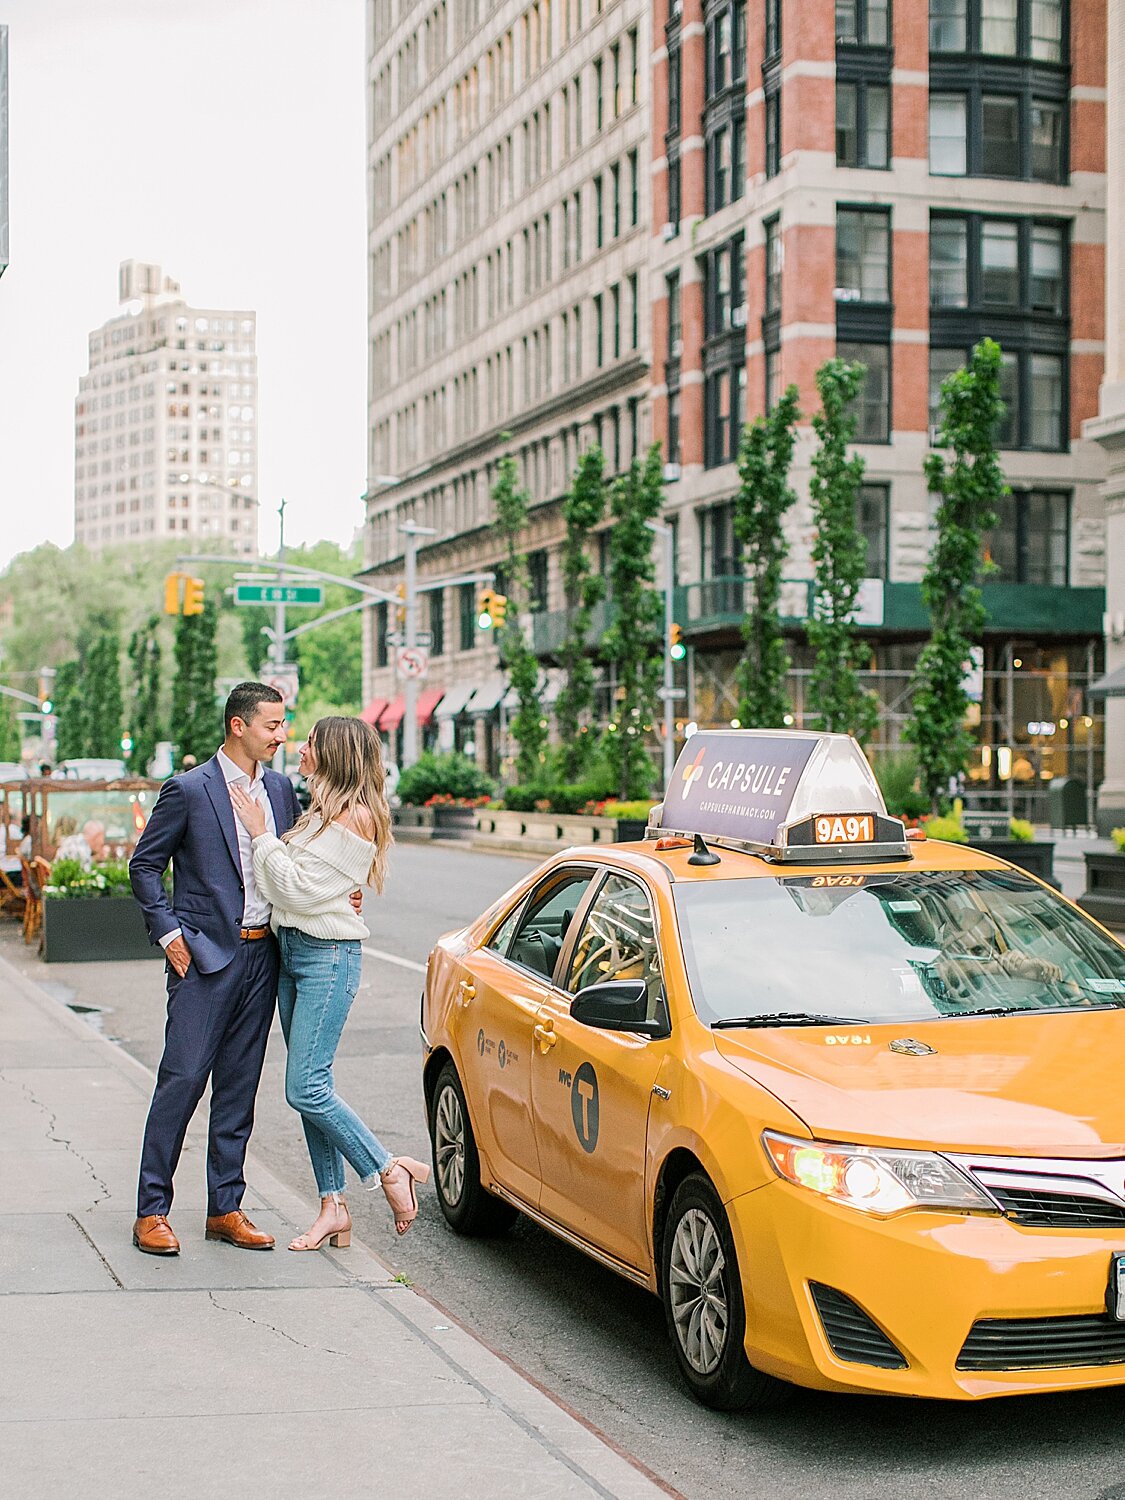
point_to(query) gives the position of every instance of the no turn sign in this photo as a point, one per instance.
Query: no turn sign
(413, 661)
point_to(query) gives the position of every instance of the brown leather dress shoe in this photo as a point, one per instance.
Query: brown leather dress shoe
(153, 1234)
(237, 1229)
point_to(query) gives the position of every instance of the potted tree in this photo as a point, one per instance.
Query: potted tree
(90, 913)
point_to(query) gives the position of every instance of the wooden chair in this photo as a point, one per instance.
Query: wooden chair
(36, 875)
(13, 897)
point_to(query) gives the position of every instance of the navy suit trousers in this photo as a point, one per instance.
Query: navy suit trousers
(217, 1028)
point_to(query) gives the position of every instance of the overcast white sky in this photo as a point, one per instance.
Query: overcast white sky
(223, 139)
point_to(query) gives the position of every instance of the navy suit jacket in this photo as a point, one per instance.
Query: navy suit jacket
(192, 825)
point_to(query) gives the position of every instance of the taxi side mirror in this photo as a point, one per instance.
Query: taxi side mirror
(616, 1005)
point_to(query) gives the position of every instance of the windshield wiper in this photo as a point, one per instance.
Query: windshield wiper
(1028, 1010)
(785, 1018)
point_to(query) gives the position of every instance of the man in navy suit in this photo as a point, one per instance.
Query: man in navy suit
(222, 966)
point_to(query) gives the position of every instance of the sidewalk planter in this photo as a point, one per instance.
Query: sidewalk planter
(1104, 896)
(452, 821)
(539, 832)
(629, 830)
(1036, 858)
(95, 928)
(413, 825)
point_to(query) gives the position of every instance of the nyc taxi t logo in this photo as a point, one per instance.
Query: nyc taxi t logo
(583, 1104)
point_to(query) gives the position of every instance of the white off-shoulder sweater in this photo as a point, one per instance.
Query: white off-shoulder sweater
(308, 880)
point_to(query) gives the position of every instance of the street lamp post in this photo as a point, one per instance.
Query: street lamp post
(667, 690)
(412, 531)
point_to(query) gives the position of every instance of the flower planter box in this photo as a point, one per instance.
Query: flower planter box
(413, 825)
(539, 832)
(1036, 858)
(452, 821)
(95, 928)
(1104, 896)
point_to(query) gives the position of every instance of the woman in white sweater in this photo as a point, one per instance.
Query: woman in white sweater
(307, 875)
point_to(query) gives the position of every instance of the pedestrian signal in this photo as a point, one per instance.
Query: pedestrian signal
(193, 596)
(676, 648)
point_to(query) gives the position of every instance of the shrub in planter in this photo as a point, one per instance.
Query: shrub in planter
(1118, 837)
(72, 880)
(948, 828)
(451, 774)
(897, 775)
(1021, 831)
(89, 913)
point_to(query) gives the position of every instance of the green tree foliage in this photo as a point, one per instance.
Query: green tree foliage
(101, 687)
(528, 725)
(443, 775)
(70, 705)
(969, 484)
(760, 506)
(583, 509)
(11, 738)
(634, 642)
(839, 554)
(196, 723)
(144, 718)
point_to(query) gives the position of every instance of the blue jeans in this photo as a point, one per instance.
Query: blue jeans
(315, 989)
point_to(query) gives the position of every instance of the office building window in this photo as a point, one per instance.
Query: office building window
(724, 171)
(724, 305)
(634, 190)
(719, 549)
(773, 28)
(599, 213)
(872, 407)
(863, 125)
(599, 332)
(773, 377)
(773, 132)
(863, 255)
(615, 324)
(724, 406)
(674, 194)
(382, 655)
(1030, 541)
(673, 447)
(772, 229)
(467, 616)
(537, 580)
(1029, 29)
(674, 79)
(1000, 136)
(615, 181)
(1032, 388)
(997, 135)
(873, 504)
(948, 135)
(437, 622)
(672, 293)
(864, 23)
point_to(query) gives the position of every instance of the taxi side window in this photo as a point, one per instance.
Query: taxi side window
(503, 935)
(618, 941)
(548, 915)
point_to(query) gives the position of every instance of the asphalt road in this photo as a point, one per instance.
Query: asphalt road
(596, 1341)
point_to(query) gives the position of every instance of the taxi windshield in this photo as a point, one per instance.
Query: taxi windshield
(907, 946)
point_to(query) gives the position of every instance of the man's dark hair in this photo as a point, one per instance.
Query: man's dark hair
(244, 700)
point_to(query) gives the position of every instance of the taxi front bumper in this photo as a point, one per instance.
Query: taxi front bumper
(969, 1304)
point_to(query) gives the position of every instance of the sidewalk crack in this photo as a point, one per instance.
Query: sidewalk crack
(271, 1328)
(104, 1193)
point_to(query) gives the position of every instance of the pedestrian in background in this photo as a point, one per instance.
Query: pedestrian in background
(342, 839)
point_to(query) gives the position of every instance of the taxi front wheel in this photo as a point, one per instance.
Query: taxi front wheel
(703, 1303)
(467, 1205)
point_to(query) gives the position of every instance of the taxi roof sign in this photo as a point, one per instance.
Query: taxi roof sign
(787, 795)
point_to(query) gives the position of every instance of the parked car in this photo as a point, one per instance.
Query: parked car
(90, 770)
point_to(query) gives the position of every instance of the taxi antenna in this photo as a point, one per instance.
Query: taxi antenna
(701, 855)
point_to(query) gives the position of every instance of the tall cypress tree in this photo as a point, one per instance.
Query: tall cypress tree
(70, 706)
(11, 738)
(840, 561)
(763, 499)
(969, 484)
(196, 726)
(634, 642)
(101, 688)
(583, 508)
(144, 694)
(528, 728)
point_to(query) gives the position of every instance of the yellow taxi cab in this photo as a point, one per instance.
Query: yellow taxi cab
(849, 1103)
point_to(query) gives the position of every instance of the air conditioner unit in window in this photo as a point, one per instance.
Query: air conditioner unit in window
(935, 437)
(738, 316)
(677, 348)
(669, 231)
(671, 473)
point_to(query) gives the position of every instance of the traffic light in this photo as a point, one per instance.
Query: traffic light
(498, 610)
(172, 584)
(400, 607)
(193, 596)
(676, 648)
(485, 601)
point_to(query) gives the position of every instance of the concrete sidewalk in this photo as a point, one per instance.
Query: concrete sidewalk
(272, 1373)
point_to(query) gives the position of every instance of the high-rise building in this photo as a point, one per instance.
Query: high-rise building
(827, 177)
(165, 423)
(509, 238)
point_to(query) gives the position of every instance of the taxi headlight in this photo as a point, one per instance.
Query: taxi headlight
(875, 1180)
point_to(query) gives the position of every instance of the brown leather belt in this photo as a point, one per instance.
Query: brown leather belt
(253, 934)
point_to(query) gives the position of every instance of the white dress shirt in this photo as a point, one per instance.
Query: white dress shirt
(256, 909)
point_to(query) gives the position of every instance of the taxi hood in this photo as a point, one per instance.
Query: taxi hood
(1031, 1085)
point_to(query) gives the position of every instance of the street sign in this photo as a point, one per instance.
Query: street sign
(278, 593)
(285, 679)
(421, 638)
(413, 661)
(669, 695)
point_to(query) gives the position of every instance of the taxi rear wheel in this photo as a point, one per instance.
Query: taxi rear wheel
(467, 1205)
(703, 1303)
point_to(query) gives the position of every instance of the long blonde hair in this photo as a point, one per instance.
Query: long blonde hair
(349, 774)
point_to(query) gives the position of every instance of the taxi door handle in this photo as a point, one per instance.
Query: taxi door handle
(545, 1036)
(467, 991)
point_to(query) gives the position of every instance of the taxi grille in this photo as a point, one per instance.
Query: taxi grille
(1043, 1343)
(1050, 1210)
(851, 1333)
